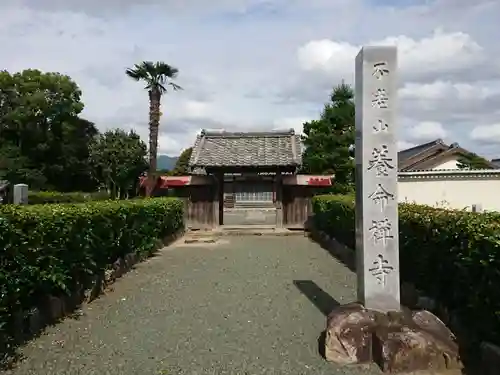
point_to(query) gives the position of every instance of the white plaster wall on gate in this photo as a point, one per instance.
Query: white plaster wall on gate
(450, 163)
(450, 191)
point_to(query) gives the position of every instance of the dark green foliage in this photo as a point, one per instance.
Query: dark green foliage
(454, 256)
(41, 197)
(334, 214)
(118, 159)
(43, 141)
(50, 249)
(473, 161)
(156, 75)
(182, 163)
(328, 141)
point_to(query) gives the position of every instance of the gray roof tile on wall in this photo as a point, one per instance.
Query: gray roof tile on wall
(243, 149)
(406, 154)
(496, 162)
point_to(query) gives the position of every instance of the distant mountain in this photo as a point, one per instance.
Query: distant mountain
(166, 162)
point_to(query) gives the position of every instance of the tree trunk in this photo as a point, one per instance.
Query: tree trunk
(154, 123)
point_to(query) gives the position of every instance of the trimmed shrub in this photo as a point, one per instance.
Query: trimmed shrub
(53, 249)
(453, 256)
(41, 197)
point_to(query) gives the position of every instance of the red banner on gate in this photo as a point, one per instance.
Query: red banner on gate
(319, 181)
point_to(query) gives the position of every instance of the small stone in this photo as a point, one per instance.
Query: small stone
(79, 312)
(118, 268)
(110, 274)
(130, 260)
(58, 342)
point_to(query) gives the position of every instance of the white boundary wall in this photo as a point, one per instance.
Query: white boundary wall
(454, 189)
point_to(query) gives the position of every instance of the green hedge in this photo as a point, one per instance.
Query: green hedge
(453, 256)
(41, 197)
(51, 249)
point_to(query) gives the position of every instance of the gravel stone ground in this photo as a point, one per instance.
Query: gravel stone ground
(248, 305)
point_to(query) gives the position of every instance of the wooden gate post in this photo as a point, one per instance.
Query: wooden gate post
(279, 200)
(217, 190)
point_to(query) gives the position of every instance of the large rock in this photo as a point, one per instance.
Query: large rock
(398, 342)
(348, 336)
(442, 337)
(405, 349)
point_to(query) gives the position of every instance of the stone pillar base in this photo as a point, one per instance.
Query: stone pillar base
(398, 342)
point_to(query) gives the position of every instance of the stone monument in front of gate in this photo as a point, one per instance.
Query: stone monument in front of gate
(377, 245)
(377, 328)
(20, 194)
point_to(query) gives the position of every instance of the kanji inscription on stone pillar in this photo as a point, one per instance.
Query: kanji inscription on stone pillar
(377, 240)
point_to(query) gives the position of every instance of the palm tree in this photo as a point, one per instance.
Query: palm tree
(157, 77)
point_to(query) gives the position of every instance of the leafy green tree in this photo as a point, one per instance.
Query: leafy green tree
(118, 159)
(43, 141)
(182, 164)
(15, 167)
(157, 76)
(328, 141)
(78, 135)
(473, 161)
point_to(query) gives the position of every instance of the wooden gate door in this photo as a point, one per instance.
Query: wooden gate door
(297, 207)
(249, 203)
(198, 205)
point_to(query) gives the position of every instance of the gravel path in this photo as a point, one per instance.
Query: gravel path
(244, 306)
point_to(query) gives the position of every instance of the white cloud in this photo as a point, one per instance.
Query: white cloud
(427, 131)
(195, 109)
(260, 64)
(327, 55)
(168, 145)
(403, 145)
(486, 134)
(439, 53)
(426, 91)
(295, 123)
(440, 90)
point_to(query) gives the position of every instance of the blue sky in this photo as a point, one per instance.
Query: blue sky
(266, 64)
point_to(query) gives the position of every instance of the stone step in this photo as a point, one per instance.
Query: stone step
(240, 230)
(254, 205)
(201, 239)
(249, 230)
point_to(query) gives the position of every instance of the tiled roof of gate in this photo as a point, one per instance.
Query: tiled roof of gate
(496, 162)
(243, 149)
(421, 157)
(408, 153)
